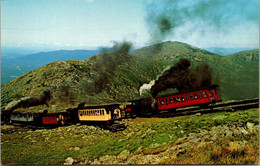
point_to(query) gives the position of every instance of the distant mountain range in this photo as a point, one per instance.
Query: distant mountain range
(236, 74)
(226, 51)
(17, 61)
(18, 65)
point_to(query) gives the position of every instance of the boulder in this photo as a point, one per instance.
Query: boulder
(107, 159)
(251, 127)
(69, 161)
(134, 160)
(150, 159)
(198, 114)
(95, 162)
(76, 148)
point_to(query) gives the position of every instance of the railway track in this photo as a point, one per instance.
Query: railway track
(218, 107)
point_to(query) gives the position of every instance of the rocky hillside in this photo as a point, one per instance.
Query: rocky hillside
(215, 138)
(70, 81)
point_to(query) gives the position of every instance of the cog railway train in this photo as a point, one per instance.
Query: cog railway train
(106, 115)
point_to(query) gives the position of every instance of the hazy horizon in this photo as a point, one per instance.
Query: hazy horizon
(90, 24)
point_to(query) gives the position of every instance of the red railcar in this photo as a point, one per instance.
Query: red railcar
(201, 97)
(54, 119)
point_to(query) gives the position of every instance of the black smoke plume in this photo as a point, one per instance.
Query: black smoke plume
(165, 17)
(183, 77)
(27, 102)
(64, 92)
(106, 66)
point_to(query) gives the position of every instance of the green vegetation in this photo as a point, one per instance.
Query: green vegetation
(143, 136)
(237, 75)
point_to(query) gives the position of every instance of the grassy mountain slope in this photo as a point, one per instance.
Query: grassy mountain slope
(237, 80)
(122, 86)
(244, 77)
(237, 74)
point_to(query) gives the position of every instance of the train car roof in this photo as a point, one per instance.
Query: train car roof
(178, 93)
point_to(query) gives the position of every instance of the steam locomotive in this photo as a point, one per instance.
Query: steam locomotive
(106, 115)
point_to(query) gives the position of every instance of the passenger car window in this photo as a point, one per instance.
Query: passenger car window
(204, 94)
(170, 99)
(182, 98)
(195, 95)
(174, 99)
(200, 96)
(191, 96)
(162, 101)
(187, 97)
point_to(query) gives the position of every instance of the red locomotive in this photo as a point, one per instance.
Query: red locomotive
(202, 97)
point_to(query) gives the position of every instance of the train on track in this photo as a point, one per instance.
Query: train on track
(202, 97)
(101, 115)
(106, 115)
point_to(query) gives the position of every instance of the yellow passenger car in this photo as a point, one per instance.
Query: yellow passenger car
(99, 114)
(102, 114)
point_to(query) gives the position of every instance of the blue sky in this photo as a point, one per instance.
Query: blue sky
(94, 23)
